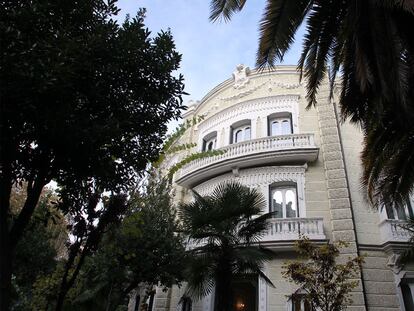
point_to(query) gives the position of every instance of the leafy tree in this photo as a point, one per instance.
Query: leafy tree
(145, 247)
(38, 248)
(84, 101)
(370, 43)
(224, 232)
(326, 283)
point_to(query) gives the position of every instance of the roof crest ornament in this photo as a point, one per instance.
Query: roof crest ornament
(240, 76)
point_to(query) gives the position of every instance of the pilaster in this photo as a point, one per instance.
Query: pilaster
(342, 224)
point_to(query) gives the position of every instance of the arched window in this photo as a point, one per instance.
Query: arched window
(210, 141)
(298, 302)
(283, 201)
(241, 131)
(280, 124)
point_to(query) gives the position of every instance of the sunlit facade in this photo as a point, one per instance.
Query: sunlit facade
(307, 165)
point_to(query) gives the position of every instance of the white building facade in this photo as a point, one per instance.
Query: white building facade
(307, 165)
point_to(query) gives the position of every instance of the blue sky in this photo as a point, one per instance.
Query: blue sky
(210, 51)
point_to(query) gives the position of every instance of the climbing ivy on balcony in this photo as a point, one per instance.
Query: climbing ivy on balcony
(192, 157)
(170, 147)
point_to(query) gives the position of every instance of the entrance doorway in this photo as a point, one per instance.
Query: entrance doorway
(245, 293)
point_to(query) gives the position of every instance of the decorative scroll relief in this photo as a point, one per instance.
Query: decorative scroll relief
(259, 106)
(240, 76)
(243, 93)
(270, 84)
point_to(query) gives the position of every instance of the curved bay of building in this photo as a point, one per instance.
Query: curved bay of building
(306, 163)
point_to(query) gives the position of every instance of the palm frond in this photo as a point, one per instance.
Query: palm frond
(322, 31)
(278, 26)
(253, 229)
(224, 9)
(200, 276)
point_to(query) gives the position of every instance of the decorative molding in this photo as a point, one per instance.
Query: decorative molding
(270, 83)
(244, 93)
(288, 86)
(262, 293)
(261, 178)
(240, 76)
(256, 177)
(270, 104)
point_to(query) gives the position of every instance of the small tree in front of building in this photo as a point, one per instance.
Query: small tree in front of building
(325, 283)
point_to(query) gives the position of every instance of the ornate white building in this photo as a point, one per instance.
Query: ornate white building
(307, 165)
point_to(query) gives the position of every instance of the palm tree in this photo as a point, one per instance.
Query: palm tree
(371, 45)
(225, 228)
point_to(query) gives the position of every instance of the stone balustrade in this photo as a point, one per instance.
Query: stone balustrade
(288, 229)
(293, 228)
(273, 149)
(392, 230)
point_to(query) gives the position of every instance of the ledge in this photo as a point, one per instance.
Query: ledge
(279, 150)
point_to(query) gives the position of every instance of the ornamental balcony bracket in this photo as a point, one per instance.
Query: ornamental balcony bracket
(273, 150)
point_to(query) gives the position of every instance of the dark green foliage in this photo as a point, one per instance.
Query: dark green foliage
(84, 101)
(370, 44)
(326, 284)
(408, 255)
(35, 255)
(144, 248)
(223, 237)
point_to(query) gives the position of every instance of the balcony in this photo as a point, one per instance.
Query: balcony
(392, 231)
(278, 150)
(282, 233)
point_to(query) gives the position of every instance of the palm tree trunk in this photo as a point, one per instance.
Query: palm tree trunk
(223, 295)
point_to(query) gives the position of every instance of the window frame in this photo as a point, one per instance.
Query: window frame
(240, 126)
(284, 187)
(392, 212)
(280, 116)
(208, 139)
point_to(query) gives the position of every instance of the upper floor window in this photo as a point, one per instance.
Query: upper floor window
(400, 212)
(283, 201)
(210, 141)
(280, 124)
(241, 131)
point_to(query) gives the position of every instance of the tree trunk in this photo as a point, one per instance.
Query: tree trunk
(5, 271)
(223, 294)
(6, 253)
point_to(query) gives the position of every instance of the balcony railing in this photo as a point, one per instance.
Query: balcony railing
(286, 229)
(293, 228)
(266, 150)
(392, 230)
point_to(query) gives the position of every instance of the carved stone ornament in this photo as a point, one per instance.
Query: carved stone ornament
(240, 76)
